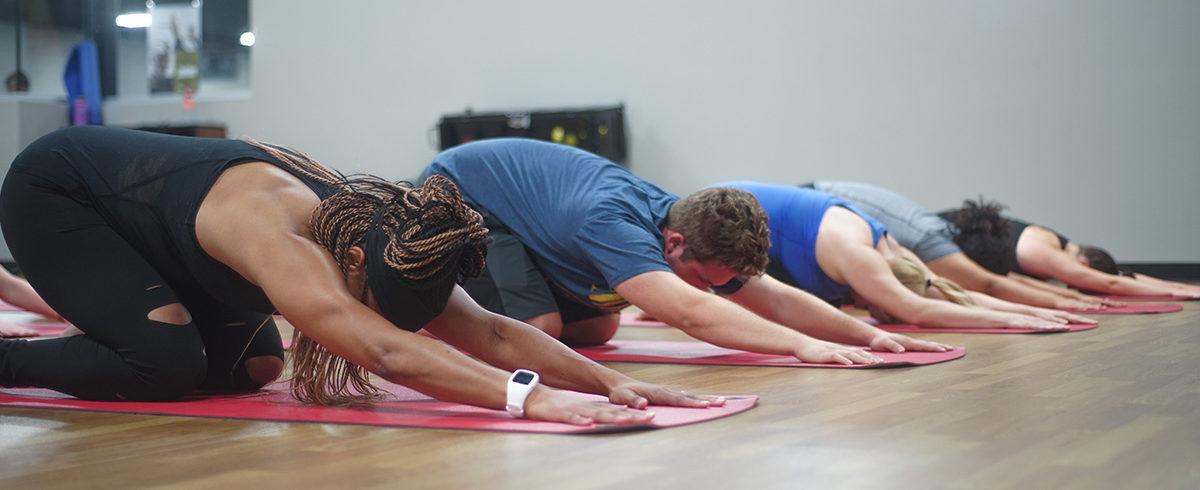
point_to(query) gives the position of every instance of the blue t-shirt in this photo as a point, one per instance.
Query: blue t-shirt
(588, 224)
(794, 216)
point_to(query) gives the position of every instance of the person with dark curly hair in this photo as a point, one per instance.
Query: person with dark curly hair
(1007, 245)
(170, 254)
(576, 238)
(825, 245)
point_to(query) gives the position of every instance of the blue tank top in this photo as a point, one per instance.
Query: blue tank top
(794, 216)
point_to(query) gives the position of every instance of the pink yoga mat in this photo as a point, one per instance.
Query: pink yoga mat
(407, 409)
(685, 352)
(8, 307)
(630, 321)
(1146, 297)
(1132, 309)
(46, 329)
(1072, 327)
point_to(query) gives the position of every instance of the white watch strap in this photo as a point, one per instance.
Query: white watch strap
(520, 384)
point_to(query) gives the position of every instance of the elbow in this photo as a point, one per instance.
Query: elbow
(989, 286)
(392, 364)
(916, 315)
(690, 317)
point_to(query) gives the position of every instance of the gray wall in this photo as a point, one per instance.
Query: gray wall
(1082, 115)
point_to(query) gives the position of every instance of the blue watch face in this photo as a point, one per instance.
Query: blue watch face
(523, 377)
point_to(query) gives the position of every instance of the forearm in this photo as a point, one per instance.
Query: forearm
(1016, 291)
(513, 344)
(999, 304)
(812, 316)
(1107, 283)
(433, 368)
(1044, 286)
(1175, 285)
(724, 323)
(936, 313)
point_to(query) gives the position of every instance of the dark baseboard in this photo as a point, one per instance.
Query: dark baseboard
(1165, 270)
(11, 266)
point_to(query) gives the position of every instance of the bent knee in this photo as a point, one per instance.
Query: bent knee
(262, 370)
(593, 331)
(551, 323)
(174, 314)
(168, 379)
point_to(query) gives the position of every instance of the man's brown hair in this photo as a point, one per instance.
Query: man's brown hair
(724, 225)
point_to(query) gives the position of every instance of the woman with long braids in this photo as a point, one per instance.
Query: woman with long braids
(170, 254)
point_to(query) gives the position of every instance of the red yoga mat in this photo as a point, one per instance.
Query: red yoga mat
(1146, 297)
(1072, 327)
(407, 409)
(685, 352)
(1132, 309)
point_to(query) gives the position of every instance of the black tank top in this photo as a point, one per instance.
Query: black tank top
(1015, 228)
(148, 188)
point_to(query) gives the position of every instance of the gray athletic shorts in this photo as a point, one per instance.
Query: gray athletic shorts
(512, 284)
(914, 227)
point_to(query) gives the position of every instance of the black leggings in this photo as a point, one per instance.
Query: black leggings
(96, 280)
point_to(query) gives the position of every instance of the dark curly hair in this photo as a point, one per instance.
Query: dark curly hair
(724, 225)
(1099, 259)
(983, 234)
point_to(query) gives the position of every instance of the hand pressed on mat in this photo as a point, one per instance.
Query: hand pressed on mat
(639, 395)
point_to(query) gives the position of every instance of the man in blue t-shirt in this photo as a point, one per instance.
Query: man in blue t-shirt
(577, 238)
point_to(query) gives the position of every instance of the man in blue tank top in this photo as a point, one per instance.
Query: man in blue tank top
(576, 238)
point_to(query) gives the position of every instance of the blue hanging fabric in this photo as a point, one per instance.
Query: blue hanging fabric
(82, 80)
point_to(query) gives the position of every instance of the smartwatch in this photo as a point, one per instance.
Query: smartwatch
(520, 384)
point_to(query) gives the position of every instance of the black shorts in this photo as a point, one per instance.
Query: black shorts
(512, 284)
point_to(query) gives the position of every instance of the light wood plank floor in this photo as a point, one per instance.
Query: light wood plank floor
(1116, 407)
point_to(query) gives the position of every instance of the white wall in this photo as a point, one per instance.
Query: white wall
(44, 56)
(1082, 115)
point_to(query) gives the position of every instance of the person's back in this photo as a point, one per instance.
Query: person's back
(588, 223)
(929, 236)
(148, 188)
(795, 215)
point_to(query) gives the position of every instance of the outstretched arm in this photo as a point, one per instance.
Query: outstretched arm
(865, 270)
(806, 313)
(1182, 288)
(510, 344)
(721, 322)
(1043, 313)
(304, 284)
(959, 268)
(1053, 262)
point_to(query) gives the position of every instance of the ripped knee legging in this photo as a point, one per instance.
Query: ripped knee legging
(143, 339)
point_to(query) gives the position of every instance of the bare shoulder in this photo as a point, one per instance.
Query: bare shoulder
(844, 226)
(253, 207)
(1039, 237)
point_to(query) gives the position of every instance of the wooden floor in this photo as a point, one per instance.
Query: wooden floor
(1115, 407)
